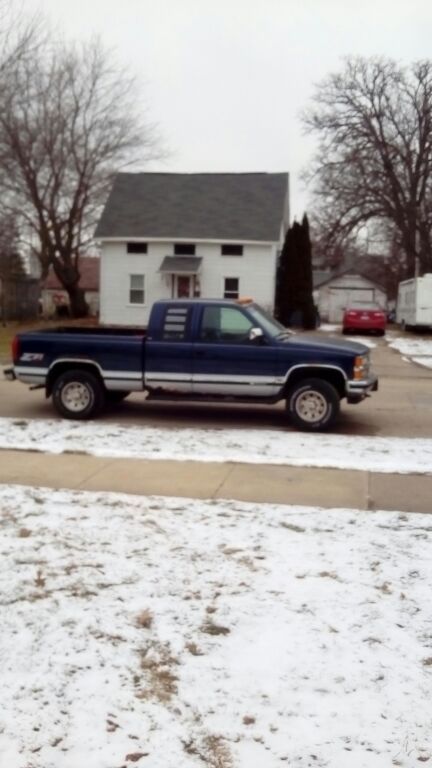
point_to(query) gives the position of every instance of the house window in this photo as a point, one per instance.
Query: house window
(175, 324)
(231, 287)
(136, 289)
(231, 250)
(184, 249)
(137, 247)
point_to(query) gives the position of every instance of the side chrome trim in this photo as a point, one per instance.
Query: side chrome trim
(113, 380)
(163, 376)
(316, 365)
(84, 360)
(30, 369)
(212, 378)
(121, 385)
(102, 371)
(206, 378)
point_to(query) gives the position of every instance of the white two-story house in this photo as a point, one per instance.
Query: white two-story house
(177, 235)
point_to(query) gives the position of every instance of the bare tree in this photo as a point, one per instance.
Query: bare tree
(11, 262)
(20, 36)
(374, 159)
(69, 119)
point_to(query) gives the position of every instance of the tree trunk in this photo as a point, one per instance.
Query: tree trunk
(69, 276)
(3, 301)
(77, 301)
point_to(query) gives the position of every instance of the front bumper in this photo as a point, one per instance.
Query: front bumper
(9, 374)
(357, 389)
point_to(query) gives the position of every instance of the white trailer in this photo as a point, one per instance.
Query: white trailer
(414, 302)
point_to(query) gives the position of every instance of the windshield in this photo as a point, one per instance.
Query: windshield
(269, 324)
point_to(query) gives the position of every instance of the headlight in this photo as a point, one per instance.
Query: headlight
(361, 367)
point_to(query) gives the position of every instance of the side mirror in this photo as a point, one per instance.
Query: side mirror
(255, 334)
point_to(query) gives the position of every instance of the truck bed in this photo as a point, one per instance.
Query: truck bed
(97, 331)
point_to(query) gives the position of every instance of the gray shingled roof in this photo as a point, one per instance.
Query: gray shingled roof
(187, 265)
(207, 206)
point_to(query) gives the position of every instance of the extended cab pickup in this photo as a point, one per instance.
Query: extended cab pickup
(213, 350)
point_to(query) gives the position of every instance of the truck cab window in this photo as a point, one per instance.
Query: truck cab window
(175, 324)
(225, 324)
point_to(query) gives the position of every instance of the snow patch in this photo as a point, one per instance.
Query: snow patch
(273, 634)
(251, 446)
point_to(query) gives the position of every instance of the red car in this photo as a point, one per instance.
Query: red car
(364, 317)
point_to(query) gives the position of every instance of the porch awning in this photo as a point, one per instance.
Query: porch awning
(181, 265)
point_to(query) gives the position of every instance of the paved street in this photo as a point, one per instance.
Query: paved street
(401, 408)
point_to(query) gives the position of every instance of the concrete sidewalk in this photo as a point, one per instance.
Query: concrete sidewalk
(206, 480)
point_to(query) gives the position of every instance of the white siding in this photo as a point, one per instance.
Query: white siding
(414, 302)
(256, 271)
(333, 297)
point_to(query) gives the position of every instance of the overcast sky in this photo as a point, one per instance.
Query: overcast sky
(226, 79)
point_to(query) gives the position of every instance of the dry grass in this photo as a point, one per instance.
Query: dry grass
(144, 620)
(210, 628)
(211, 750)
(24, 533)
(218, 753)
(329, 575)
(292, 527)
(194, 649)
(133, 757)
(157, 664)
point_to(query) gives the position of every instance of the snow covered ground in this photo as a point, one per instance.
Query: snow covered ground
(418, 350)
(329, 328)
(252, 446)
(171, 632)
(181, 633)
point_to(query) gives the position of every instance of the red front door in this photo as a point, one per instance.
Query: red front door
(184, 287)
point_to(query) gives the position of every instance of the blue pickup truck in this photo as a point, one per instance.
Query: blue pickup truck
(208, 350)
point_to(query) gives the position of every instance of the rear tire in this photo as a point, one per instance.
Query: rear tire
(78, 395)
(313, 404)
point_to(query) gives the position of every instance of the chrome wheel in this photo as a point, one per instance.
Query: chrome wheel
(76, 397)
(78, 394)
(311, 406)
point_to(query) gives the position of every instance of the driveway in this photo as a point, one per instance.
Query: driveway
(402, 407)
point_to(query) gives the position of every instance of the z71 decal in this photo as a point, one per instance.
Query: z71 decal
(31, 357)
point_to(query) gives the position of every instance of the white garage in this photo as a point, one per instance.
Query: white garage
(334, 293)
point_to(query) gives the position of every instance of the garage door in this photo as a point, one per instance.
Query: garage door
(344, 297)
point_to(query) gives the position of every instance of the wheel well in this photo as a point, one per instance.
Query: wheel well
(330, 375)
(60, 368)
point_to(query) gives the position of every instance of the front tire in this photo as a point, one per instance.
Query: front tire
(313, 404)
(78, 395)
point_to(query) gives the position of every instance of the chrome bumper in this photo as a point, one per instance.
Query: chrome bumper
(9, 374)
(357, 389)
